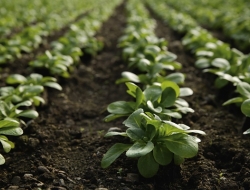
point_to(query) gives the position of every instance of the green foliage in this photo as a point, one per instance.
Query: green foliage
(162, 99)
(154, 142)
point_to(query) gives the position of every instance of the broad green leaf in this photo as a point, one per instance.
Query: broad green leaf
(150, 131)
(8, 122)
(182, 145)
(221, 63)
(24, 103)
(168, 128)
(178, 159)
(178, 78)
(112, 116)
(233, 101)
(131, 89)
(37, 100)
(131, 76)
(203, 53)
(53, 85)
(244, 89)
(152, 93)
(16, 78)
(152, 108)
(36, 89)
(2, 160)
(245, 107)
(185, 110)
(185, 92)
(135, 134)
(147, 165)
(134, 120)
(114, 133)
(29, 114)
(140, 149)
(173, 114)
(167, 84)
(120, 108)
(114, 152)
(181, 102)
(162, 155)
(13, 131)
(202, 63)
(168, 97)
(7, 145)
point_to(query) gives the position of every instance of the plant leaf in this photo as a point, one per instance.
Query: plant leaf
(134, 120)
(233, 100)
(53, 85)
(120, 108)
(244, 89)
(168, 97)
(135, 134)
(245, 107)
(182, 145)
(178, 159)
(147, 165)
(114, 152)
(140, 149)
(16, 78)
(185, 92)
(14, 131)
(8, 122)
(162, 155)
(2, 160)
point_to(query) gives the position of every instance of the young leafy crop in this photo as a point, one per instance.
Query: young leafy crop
(214, 56)
(10, 119)
(155, 139)
(9, 127)
(163, 99)
(33, 79)
(154, 142)
(66, 52)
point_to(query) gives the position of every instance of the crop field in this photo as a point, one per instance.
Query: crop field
(124, 95)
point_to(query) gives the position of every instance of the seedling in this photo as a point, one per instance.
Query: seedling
(161, 99)
(154, 143)
(33, 79)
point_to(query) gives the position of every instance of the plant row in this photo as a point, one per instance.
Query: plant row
(229, 65)
(232, 17)
(16, 15)
(155, 139)
(32, 36)
(17, 101)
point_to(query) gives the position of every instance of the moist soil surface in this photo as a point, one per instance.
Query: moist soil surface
(63, 148)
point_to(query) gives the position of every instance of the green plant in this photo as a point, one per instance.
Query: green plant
(11, 127)
(33, 79)
(154, 142)
(22, 93)
(162, 99)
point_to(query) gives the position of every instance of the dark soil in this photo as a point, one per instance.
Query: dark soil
(62, 149)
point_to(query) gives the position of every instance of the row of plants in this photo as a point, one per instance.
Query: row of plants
(32, 36)
(66, 51)
(14, 16)
(19, 99)
(229, 65)
(232, 17)
(155, 138)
